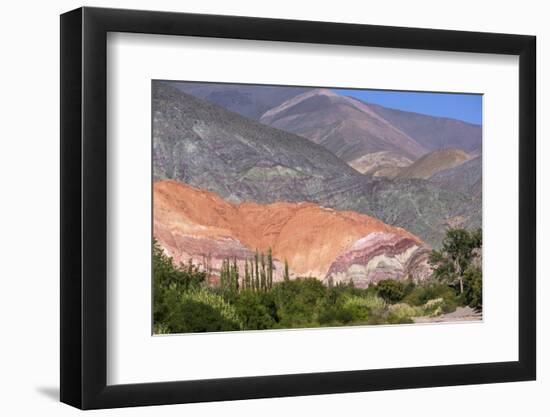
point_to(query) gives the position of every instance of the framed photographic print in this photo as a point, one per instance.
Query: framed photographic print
(257, 208)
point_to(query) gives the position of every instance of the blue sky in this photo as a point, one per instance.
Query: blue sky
(466, 107)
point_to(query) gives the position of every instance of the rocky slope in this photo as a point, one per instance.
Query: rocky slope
(381, 164)
(379, 256)
(465, 178)
(211, 148)
(434, 132)
(194, 224)
(434, 162)
(345, 126)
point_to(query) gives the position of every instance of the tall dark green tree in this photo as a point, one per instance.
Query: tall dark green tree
(256, 270)
(223, 275)
(246, 281)
(263, 275)
(286, 275)
(269, 268)
(235, 275)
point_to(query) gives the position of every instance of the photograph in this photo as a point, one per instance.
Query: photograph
(280, 207)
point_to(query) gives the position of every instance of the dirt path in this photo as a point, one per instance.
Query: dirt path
(460, 314)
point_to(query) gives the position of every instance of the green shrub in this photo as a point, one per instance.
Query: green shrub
(351, 308)
(335, 316)
(253, 313)
(226, 310)
(473, 294)
(160, 328)
(299, 302)
(403, 310)
(169, 283)
(373, 302)
(391, 290)
(434, 307)
(357, 308)
(422, 294)
(395, 319)
(194, 316)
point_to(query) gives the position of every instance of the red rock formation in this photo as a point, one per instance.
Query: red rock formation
(192, 223)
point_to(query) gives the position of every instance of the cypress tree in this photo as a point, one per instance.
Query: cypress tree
(223, 275)
(257, 273)
(227, 274)
(246, 280)
(269, 268)
(286, 275)
(235, 275)
(251, 269)
(230, 274)
(262, 273)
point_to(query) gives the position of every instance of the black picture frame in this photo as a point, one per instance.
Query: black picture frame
(84, 207)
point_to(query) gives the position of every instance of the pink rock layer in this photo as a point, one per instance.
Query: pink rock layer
(380, 256)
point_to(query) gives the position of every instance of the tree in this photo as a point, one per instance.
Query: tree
(256, 271)
(225, 275)
(252, 312)
(263, 276)
(252, 279)
(473, 287)
(166, 274)
(455, 256)
(286, 275)
(269, 268)
(246, 281)
(235, 280)
(299, 302)
(390, 290)
(207, 263)
(169, 282)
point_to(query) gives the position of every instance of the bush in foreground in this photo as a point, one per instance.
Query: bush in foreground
(391, 290)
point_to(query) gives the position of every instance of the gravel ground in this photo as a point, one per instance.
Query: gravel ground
(460, 314)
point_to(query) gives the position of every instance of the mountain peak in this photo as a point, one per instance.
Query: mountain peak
(324, 92)
(345, 126)
(317, 92)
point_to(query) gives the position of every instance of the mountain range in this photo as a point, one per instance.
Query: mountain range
(242, 159)
(371, 138)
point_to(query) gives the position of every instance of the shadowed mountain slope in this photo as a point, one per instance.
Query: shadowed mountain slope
(465, 178)
(247, 100)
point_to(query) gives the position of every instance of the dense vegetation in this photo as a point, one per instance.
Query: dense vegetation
(250, 300)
